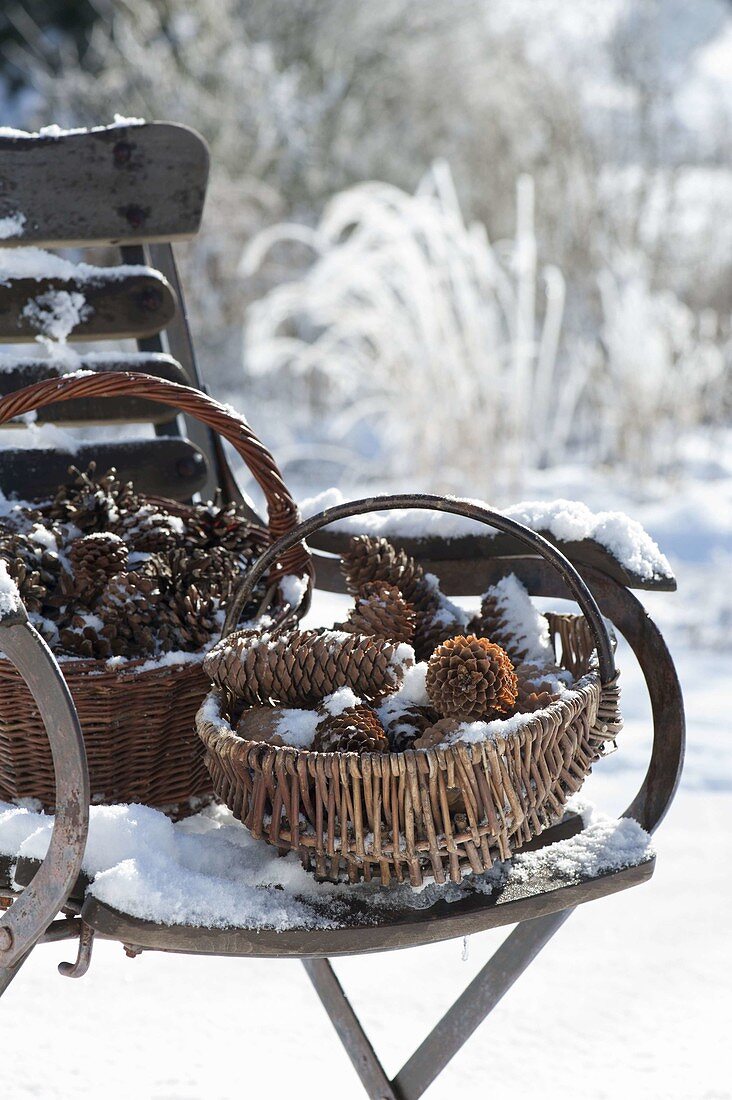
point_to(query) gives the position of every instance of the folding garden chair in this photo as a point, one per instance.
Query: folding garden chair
(145, 185)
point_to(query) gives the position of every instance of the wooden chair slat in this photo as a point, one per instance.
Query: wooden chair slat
(16, 373)
(115, 306)
(132, 183)
(164, 466)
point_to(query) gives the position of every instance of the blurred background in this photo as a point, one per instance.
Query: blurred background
(484, 248)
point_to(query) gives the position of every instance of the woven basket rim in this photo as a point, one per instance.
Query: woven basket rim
(566, 707)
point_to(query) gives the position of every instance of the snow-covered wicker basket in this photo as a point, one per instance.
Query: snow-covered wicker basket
(137, 716)
(394, 815)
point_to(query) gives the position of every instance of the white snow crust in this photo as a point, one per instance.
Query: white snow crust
(9, 595)
(565, 520)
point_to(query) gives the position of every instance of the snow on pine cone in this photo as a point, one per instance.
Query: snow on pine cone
(471, 678)
(381, 612)
(355, 729)
(303, 667)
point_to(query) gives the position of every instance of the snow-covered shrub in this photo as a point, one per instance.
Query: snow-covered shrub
(410, 323)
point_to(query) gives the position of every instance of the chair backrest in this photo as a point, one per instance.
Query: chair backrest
(137, 187)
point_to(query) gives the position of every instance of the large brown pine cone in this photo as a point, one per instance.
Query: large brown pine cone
(260, 724)
(94, 559)
(356, 729)
(301, 668)
(404, 728)
(381, 612)
(471, 678)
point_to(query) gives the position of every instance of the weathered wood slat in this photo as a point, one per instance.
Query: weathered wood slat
(115, 184)
(16, 373)
(464, 564)
(163, 466)
(113, 307)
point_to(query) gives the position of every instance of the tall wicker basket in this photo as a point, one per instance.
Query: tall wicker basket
(393, 816)
(138, 718)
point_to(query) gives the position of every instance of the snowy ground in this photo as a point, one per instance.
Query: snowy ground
(629, 1000)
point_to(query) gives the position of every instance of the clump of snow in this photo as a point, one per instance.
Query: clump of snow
(340, 700)
(563, 520)
(297, 727)
(9, 595)
(293, 589)
(56, 313)
(606, 844)
(12, 225)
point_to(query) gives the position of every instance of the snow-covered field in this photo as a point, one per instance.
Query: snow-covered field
(630, 999)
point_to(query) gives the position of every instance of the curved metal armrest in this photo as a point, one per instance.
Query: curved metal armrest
(30, 915)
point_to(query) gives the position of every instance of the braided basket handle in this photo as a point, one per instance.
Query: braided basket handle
(282, 512)
(490, 518)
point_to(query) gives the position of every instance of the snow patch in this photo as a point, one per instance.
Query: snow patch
(12, 225)
(9, 596)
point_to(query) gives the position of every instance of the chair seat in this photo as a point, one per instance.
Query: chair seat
(364, 929)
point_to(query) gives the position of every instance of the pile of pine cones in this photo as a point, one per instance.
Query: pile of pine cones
(475, 670)
(105, 572)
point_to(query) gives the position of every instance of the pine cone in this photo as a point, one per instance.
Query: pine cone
(491, 623)
(187, 619)
(356, 729)
(406, 727)
(534, 691)
(129, 608)
(436, 733)
(27, 579)
(149, 529)
(213, 525)
(82, 639)
(88, 502)
(94, 559)
(301, 667)
(260, 724)
(374, 559)
(471, 678)
(380, 612)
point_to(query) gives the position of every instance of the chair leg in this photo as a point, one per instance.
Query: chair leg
(346, 1022)
(479, 999)
(514, 955)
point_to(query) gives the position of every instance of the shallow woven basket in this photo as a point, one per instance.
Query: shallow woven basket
(138, 721)
(392, 815)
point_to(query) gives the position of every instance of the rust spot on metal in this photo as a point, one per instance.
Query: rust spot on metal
(188, 466)
(135, 216)
(151, 300)
(121, 154)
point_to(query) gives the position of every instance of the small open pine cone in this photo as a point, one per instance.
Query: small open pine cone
(355, 729)
(381, 612)
(471, 678)
(94, 560)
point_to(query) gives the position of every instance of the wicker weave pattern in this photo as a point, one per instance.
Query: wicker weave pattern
(395, 815)
(138, 726)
